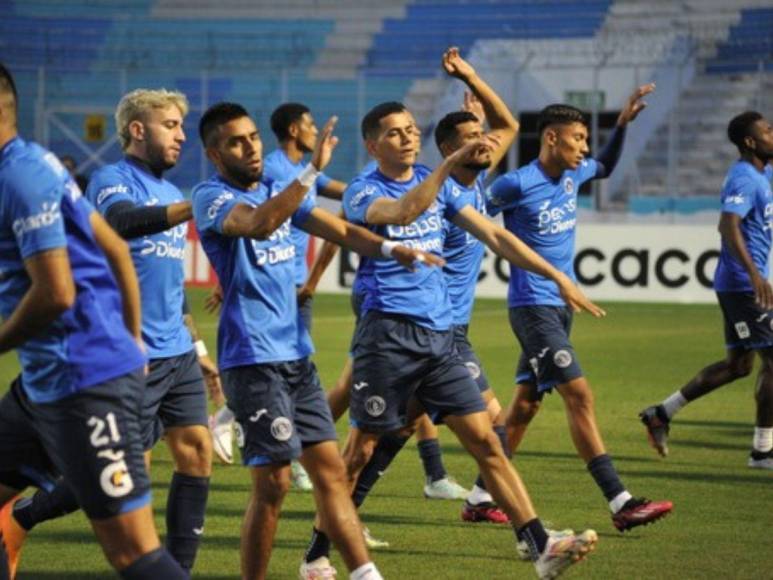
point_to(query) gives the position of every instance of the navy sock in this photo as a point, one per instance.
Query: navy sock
(534, 534)
(389, 445)
(45, 505)
(156, 564)
(502, 434)
(319, 546)
(606, 477)
(432, 458)
(185, 508)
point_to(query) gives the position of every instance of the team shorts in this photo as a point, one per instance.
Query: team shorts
(92, 438)
(747, 326)
(395, 360)
(469, 358)
(547, 356)
(280, 408)
(175, 396)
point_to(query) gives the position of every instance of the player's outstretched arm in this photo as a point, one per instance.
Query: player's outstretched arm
(414, 202)
(208, 366)
(321, 262)
(118, 256)
(500, 119)
(134, 221)
(51, 292)
(325, 225)
(333, 189)
(262, 221)
(730, 229)
(508, 246)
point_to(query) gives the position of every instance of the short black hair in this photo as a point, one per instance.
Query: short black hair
(7, 85)
(217, 115)
(446, 128)
(559, 114)
(285, 115)
(740, 127)
(371, 122)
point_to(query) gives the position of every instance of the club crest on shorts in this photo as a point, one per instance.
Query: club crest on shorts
(375, 406)
(742, 330)
(281, 429)
(474, 369)
(239, 434)
(562, 358)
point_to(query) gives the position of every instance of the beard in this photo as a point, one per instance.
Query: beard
(157, 160)
(243, 176)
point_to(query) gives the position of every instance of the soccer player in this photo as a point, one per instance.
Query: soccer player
(263, 346)
(73, 315)
(743, 290)
(151, 213)
(539, 202)
(404, 351)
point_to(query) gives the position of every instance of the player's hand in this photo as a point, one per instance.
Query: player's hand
(469, 151)
(472, 104)
(763, 293)
(214, 300)
(634, 105)
(144, 349)
(211, 377)
(326, 143)
(576, 300)
(456, 66)
(304, 294)
(410, 258)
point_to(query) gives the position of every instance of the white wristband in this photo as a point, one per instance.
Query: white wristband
(387, 247)
(201, 348)
(308, 175)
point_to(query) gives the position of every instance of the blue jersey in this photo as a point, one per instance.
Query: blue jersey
(463, 252)
(259, 318)
(421, 295)
(542, 212)
(158, 258)
(42, 209)
(278, 167)
(747, 193)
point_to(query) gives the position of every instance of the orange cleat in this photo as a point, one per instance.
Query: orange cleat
(12, 536)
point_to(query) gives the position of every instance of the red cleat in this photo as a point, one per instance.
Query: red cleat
(640, 512)
(484, 512)
(12, 536)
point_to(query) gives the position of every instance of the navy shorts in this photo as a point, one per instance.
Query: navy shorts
(92, 438)
(175, 396)
(305, 311)
(747, 326)
(395, 360)
(469, 358)
(547, 358)
(280, 408)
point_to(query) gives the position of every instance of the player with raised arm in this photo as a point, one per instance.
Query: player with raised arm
(263, 345)
(539, 203)
(72, 313)
(152, 214)
(743, 290)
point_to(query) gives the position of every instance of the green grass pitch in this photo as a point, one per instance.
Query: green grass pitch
(720, 528)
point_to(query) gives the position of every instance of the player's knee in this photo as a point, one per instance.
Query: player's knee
(193, 455)
(579, 400)
(272, 487)
(523, 411)
(742, 367)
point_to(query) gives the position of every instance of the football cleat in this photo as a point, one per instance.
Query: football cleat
(560, 553)
(371, 542)
(657, 423)
(761, 460)
(221, 426)
(12, 536)
(484, 512)
(319, 569)
(640, 512)
(445, 488)
(522, 548)
(299, 479)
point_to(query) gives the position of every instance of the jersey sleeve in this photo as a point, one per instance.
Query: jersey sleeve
(323, 180)
(589, 169)
(358, 197)
(504, 193)
(211, 205)
(107, 187)
(738, 197)
(35, 214)
(455, 198)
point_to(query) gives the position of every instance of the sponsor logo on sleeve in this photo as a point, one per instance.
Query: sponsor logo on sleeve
(218, 203)
(106, 192)
(361, 196)
(48, 215)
